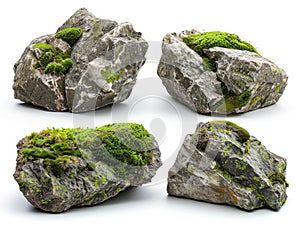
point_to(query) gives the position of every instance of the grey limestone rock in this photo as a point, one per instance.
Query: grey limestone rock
(242, 80)
(222, 163)
(106, 60)
(61, 168)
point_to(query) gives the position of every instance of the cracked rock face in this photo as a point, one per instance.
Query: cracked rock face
(222, 163)
(241, 81)
(105, 62)
(60, 168)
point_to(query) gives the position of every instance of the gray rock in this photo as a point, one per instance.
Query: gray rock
(222, 163)
(60, 168)
(106, 61)
(242, 81)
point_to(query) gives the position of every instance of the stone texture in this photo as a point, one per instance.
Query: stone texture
(222, 163)
(60, 168)
(243, 74)
(105, 48)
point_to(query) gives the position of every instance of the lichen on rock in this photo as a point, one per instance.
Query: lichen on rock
(60, 168)
(217, 72)
(222, 163)
(63, 71)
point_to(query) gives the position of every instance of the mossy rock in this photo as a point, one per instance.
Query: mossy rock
(79, 167)
(221, 163)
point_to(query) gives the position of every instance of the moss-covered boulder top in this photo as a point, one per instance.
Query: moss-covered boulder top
(87, 64)
(60, 168)
(218, 72)
(222, 163)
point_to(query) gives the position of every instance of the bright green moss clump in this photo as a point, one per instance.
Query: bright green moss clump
(54, 60)
(69, 35)
(207, 40)
(126, 142)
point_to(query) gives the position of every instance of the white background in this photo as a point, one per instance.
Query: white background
(271, 26)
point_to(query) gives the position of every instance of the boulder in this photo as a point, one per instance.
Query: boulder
(103, 59)
(61, 168)
(217, 73)
(221, 163)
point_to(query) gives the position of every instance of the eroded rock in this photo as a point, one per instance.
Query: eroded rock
(222, 163)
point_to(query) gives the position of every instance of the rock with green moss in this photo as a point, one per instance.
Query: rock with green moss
(87, 64)
(222, 163)
(217, 72)
(60, 168)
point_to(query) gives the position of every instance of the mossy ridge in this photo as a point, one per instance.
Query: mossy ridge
(54, 60)
(110, 74)
(60, 147)
(243, 134)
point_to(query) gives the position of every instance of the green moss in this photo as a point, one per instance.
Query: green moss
(257, 179)
(111, 75)
(232, 101)
(55, 166)
(277, 88)
(54, 68)
(277, 178)
(45, 202)
(54, 60)
(282, 166)
(255, 100)
(129, 143)
(222, 171)
(240, 164)
(67, 63)
(44, 46)
(69, 35)
(199, 42)
(247, 149)
(211, 64)
(282, 201)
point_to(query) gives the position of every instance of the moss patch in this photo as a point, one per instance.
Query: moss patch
(231, 101)
(129, 143)
(199, 42)
(278, 178)
(69, 35)
(54, 60)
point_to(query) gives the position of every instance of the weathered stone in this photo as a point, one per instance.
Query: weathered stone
(105, 62)
(60, 168)
(222, 163)
(222, 81)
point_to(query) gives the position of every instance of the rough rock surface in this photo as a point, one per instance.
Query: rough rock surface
(222, 163)
(242, 81)
(60, 168)
(106, 60)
